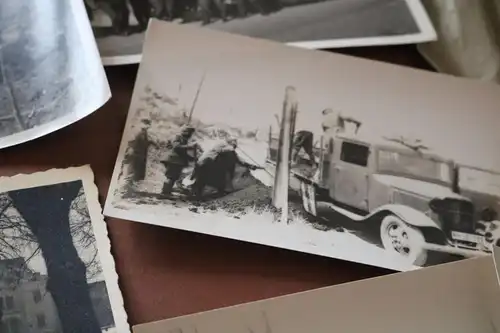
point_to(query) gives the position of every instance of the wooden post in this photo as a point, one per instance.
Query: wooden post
(282, 174)
(321, 158)
(269, 143)
(196, 98)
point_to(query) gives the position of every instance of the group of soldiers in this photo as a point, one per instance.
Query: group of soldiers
(143, 10)
(214, 167)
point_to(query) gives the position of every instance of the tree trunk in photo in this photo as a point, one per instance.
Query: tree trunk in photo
(46, 212)
(282, 175)
(16, 112)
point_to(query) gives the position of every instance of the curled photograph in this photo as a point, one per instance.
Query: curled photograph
(51, 74)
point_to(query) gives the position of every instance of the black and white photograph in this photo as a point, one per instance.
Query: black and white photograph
(119, 25)
(51, 74)
(56, 270)
(309, 151)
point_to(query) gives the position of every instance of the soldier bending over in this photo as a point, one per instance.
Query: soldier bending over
(178, 159)
(303, 140)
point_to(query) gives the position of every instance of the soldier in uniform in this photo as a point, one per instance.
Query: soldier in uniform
(119, 13)
(164, 9)
(303, 140)
(216, 168)
(142, 12)
(206, 9)
(178, 158)
(334, 122)
(140, 147)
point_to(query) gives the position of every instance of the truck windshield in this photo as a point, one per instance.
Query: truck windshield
(484, 181)
(413, 165)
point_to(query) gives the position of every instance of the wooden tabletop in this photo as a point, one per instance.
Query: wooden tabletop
(166, 273)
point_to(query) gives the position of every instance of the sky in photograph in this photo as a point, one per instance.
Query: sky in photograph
(246, 80)
(37, 263)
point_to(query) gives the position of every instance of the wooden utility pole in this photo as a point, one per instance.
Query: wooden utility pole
(282, 174)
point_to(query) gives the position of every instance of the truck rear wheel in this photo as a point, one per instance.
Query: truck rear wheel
(401, 238)
(308, 194)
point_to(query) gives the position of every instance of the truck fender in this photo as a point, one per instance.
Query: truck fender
(408, 214)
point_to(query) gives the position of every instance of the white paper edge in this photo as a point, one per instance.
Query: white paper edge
(291, 296)
(417, 10)
(85, 174)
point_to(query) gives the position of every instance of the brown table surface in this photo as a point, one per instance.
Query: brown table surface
(166, 273)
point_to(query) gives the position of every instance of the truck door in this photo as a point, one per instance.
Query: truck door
(350, 175)
(327, 145)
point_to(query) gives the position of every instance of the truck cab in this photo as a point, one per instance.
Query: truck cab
(413, 194)
(365, 174)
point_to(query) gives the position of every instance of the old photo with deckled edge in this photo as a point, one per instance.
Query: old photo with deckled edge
(110, 44)
(102, 243)
(459, 297)
(239, 89)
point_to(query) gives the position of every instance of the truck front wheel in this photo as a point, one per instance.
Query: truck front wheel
(403, 239)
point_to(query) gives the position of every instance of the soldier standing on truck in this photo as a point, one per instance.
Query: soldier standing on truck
(178, 159)
(334, 122)
(303, 140)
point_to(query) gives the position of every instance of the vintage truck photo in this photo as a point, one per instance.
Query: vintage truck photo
(419, 202)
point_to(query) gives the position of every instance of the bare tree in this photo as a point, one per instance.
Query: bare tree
(51, 220)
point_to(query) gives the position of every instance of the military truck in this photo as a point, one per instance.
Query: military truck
(411, 196)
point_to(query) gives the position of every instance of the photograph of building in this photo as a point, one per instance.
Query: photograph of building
(51, 262)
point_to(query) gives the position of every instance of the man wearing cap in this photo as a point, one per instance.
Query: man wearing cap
(178, 158)
(139, 151)
(334, 122)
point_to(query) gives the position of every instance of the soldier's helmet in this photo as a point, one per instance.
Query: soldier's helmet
(232, 142)
(187, 131)
(327, 111)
